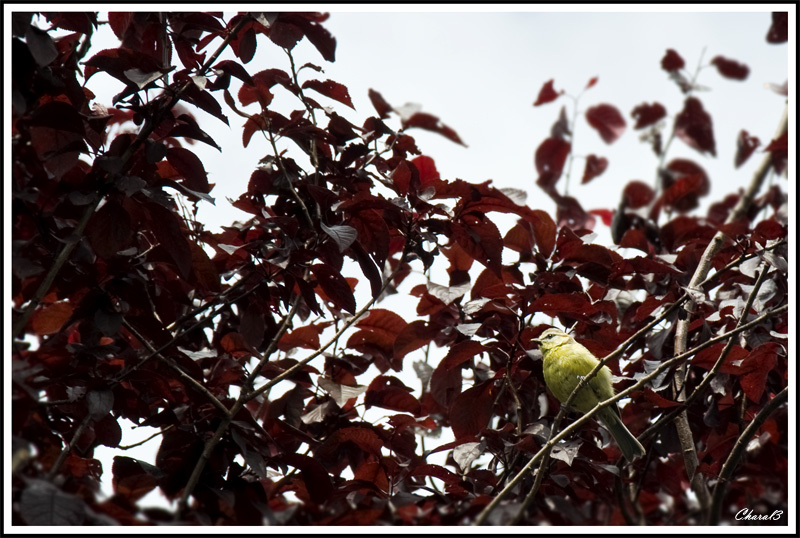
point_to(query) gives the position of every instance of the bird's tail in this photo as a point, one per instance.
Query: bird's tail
(628, 444)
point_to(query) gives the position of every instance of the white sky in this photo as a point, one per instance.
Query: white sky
(480, 72)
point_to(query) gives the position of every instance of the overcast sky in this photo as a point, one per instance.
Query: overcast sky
(481, 72)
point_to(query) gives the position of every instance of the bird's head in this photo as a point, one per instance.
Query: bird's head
(552, 338)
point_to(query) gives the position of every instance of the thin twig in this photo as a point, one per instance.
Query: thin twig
(737, 452)
(623, 394)
(171, 364)
(682, 326)
(77, 233)
(62, 457)
(248, 395)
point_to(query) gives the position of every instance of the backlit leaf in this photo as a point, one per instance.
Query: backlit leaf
(745, 146)
(693, 126)
(594, 167)
(672, 61)
(730, 68)
(547, 94)
(607, 120)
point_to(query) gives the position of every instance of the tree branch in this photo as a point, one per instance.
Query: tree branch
(682, 326)
(248, 395)
(737, 452)
(171, 364)
(77, 233)
(589, 414)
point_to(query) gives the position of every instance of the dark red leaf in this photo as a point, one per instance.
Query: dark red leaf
(133, 479)
(58, 115)
(245, 47)
(285, 33)
(471, 410)
(779, 30)
(550, 157)
(745, 146)
(757, 366)
(708, 357)
(260, 90)
(413, 336)
(684, 193)
(779, 144)
(683, 182)
(592, 82)
(459, 354)
(203, 100)
(372, 472)
(190, 167)
(236, 344)
(430, 122)
(41, 45)
(119, 22)
(401, 177)
(322, 40)
(116, 62)
(84, 23)
(519, 238)
(547, 94)
(204, 269)
(306, 337)
(48, 319)
(644, 266)
(607, 120)
(544, 231)
(110, 230)
(646, 115)
(576, 305)
(315, 476)
(672, 61)
(594, 167)
(560, 129)
(332, 89)
(437, 471)
(235, 69)
(445, 381)
(730, 68)
(693, 126)
(637, 194)
(366, 439)
(606, 215)
(251, 126)
(658, 401)
(334, 287)
(779, 148)
(381, 106)
(384, 325)
(570, 213)
(427, 170)
(481, 239)
(187, 127)
(389, 392)
(166, 226)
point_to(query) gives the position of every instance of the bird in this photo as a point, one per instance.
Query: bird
(565, 363)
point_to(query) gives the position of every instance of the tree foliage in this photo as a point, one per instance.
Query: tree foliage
(257, 351)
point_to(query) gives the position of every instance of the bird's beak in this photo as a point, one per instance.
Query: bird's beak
(539, 342)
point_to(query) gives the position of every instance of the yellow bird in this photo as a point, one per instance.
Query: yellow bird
(566, 362)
